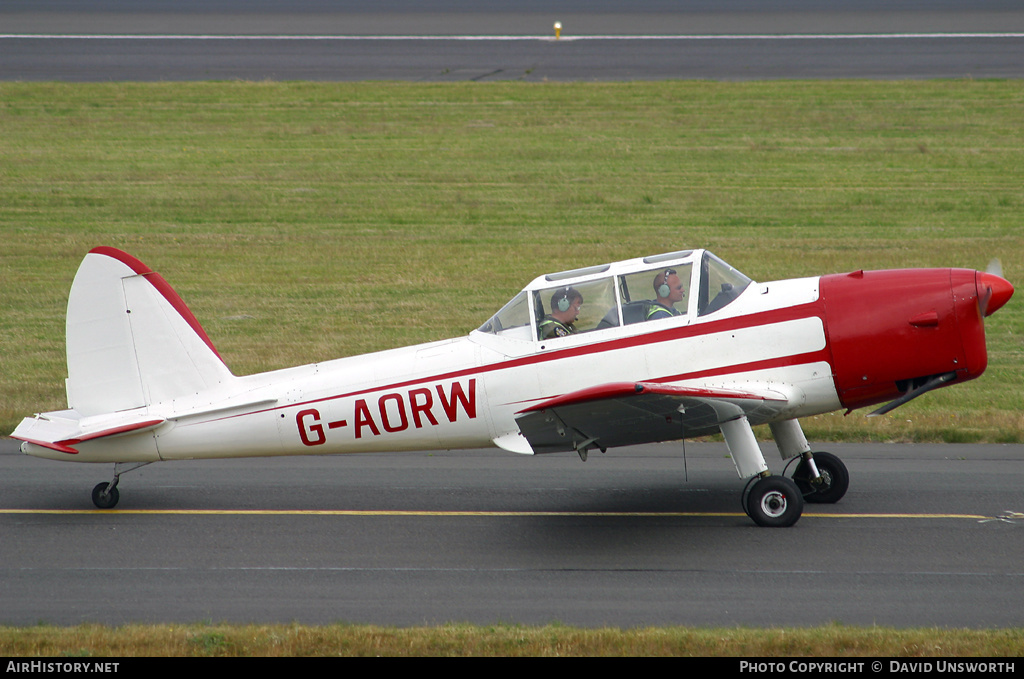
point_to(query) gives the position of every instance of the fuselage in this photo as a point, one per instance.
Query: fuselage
(821, 343)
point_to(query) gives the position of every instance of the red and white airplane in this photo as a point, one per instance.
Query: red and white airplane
(659, 348)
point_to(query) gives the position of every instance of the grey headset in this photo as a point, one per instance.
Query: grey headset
(664, 290)
(563, 304)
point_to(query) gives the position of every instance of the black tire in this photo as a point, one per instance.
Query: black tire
(775, 502)
(102, 499)
(833, 471)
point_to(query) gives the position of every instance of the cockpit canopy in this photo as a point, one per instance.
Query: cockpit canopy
(677, 284)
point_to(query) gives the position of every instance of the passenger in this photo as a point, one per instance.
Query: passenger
(565, 309)
(669, 290)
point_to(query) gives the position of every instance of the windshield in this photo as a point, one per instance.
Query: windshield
(512, 321)
(720, 284)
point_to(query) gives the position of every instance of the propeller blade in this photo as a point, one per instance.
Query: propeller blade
(983, 301)
(993, 291)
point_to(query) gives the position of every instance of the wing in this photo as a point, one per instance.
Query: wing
(627, 413)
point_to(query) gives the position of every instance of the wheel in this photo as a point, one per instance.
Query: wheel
(835, 479)
(746, 493)
(775, 502)
(103, 499)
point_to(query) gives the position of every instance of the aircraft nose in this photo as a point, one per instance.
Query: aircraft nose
(993, 292)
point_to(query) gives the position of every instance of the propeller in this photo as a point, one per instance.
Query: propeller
(993, 290)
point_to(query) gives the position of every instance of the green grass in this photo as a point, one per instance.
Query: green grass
(502, 640)
(308, 221)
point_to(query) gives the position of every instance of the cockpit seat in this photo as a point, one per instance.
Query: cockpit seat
(632, 312)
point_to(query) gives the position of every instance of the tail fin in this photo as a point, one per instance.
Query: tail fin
(131, 341)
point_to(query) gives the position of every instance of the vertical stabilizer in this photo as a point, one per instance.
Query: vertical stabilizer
(131, 341)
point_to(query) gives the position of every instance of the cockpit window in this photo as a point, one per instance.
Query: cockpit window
(581, 307)
(558, 311)
(654, 294)
(720, 284)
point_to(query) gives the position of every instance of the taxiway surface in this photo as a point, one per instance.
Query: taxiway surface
(927, 535)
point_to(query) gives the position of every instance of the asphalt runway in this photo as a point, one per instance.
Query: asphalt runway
(151, 40)
(928, 535)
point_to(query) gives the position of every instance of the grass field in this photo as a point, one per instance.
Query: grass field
(308, 221)
(206, 640)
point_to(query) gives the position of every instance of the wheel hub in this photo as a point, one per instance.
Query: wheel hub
(773, 504)
(825, 481)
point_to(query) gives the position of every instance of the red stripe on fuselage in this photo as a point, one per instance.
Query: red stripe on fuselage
(810, 310)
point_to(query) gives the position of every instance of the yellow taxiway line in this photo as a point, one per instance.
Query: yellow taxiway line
(497, 514)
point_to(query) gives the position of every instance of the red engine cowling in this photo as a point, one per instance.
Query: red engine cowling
(892, 331)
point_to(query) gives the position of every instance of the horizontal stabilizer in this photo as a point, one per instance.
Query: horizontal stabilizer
(626, 413)
(62, 430)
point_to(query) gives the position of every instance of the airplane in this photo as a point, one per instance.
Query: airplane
(659, 348)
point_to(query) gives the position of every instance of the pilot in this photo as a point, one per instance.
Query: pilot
(565, 309)
(669, 290)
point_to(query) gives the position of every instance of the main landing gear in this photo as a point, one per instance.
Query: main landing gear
(773, 501)
(105, 495)
(778, 501)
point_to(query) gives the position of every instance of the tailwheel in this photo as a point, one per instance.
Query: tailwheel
(774, 501)
(105, 495)
(835, 479)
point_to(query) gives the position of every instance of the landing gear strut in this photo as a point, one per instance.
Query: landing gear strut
(821, 477)
(773, 501)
